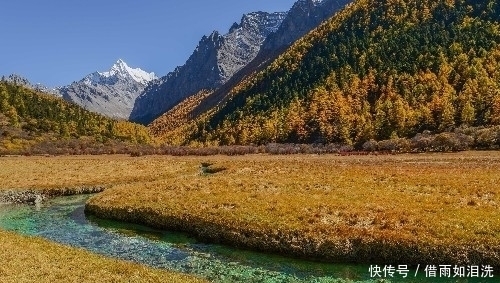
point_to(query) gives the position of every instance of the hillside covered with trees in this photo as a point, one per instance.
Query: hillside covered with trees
(377, 70)
(32, 119)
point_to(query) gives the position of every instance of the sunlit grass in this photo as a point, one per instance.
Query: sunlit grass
(439, 207)
(40, 172)
(26, 259)
(413, 208)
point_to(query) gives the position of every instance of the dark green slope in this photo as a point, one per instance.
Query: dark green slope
(376, 70)
(28, 117)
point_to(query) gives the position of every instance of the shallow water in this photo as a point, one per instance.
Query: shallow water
(63, 220)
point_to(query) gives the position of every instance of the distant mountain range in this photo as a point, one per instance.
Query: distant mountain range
(111, 93)
(326, 71)
(127, 93)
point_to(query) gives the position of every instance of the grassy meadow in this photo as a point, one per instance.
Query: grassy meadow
(26, 259)
(402, 209)
(40, 172)
(439, 208)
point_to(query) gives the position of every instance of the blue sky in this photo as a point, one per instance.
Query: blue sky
(56, 42)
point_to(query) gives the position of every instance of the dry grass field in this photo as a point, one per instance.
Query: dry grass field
(439, 208)
(39, 172)
(27, 259)
(403, 209)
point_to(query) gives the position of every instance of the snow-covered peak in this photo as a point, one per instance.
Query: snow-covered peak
(121, 69)
(112, 93)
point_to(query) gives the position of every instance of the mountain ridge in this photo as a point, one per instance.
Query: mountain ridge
(121, 69)
(216, 58)
(22, 81)
(302, 17)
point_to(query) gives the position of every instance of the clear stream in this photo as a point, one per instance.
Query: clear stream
(63, 220)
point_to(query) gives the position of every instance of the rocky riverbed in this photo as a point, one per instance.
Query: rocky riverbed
(33, 197)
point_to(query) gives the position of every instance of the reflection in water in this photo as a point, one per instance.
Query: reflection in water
(63, 220)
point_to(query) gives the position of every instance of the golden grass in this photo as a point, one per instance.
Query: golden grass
(27, 259)
(421, 208)
(436, 207)
(39, 172)
(30, 259)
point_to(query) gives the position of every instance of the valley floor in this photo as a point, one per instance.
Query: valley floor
(398, 209)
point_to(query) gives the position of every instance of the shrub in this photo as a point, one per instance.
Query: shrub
(422, 142)
(343, 149)
(395, 145)
(371, 145)
(487, 138)
(451, 142)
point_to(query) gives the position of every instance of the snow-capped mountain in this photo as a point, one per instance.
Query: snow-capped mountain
(111, 93)
(214, 61)
(120, 70)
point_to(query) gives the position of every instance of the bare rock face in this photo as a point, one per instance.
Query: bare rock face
(304, 16)
(112, 93)
(242, 44)
(216, 59)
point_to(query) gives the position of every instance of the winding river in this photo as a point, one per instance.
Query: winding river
(63, 220)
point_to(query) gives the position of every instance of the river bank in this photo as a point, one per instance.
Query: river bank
(62, 220)
(33, 196)
(335, 246)
(29, 259)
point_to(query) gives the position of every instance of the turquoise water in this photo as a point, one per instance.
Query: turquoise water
(63, 220)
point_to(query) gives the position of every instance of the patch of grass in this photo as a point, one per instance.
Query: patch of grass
(432, 208)
(419, 208)
(27, 259)
(45, 173)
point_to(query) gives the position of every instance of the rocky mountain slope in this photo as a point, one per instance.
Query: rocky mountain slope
(377, 70)
(216, 58)
(112, 93)
(304, 16)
